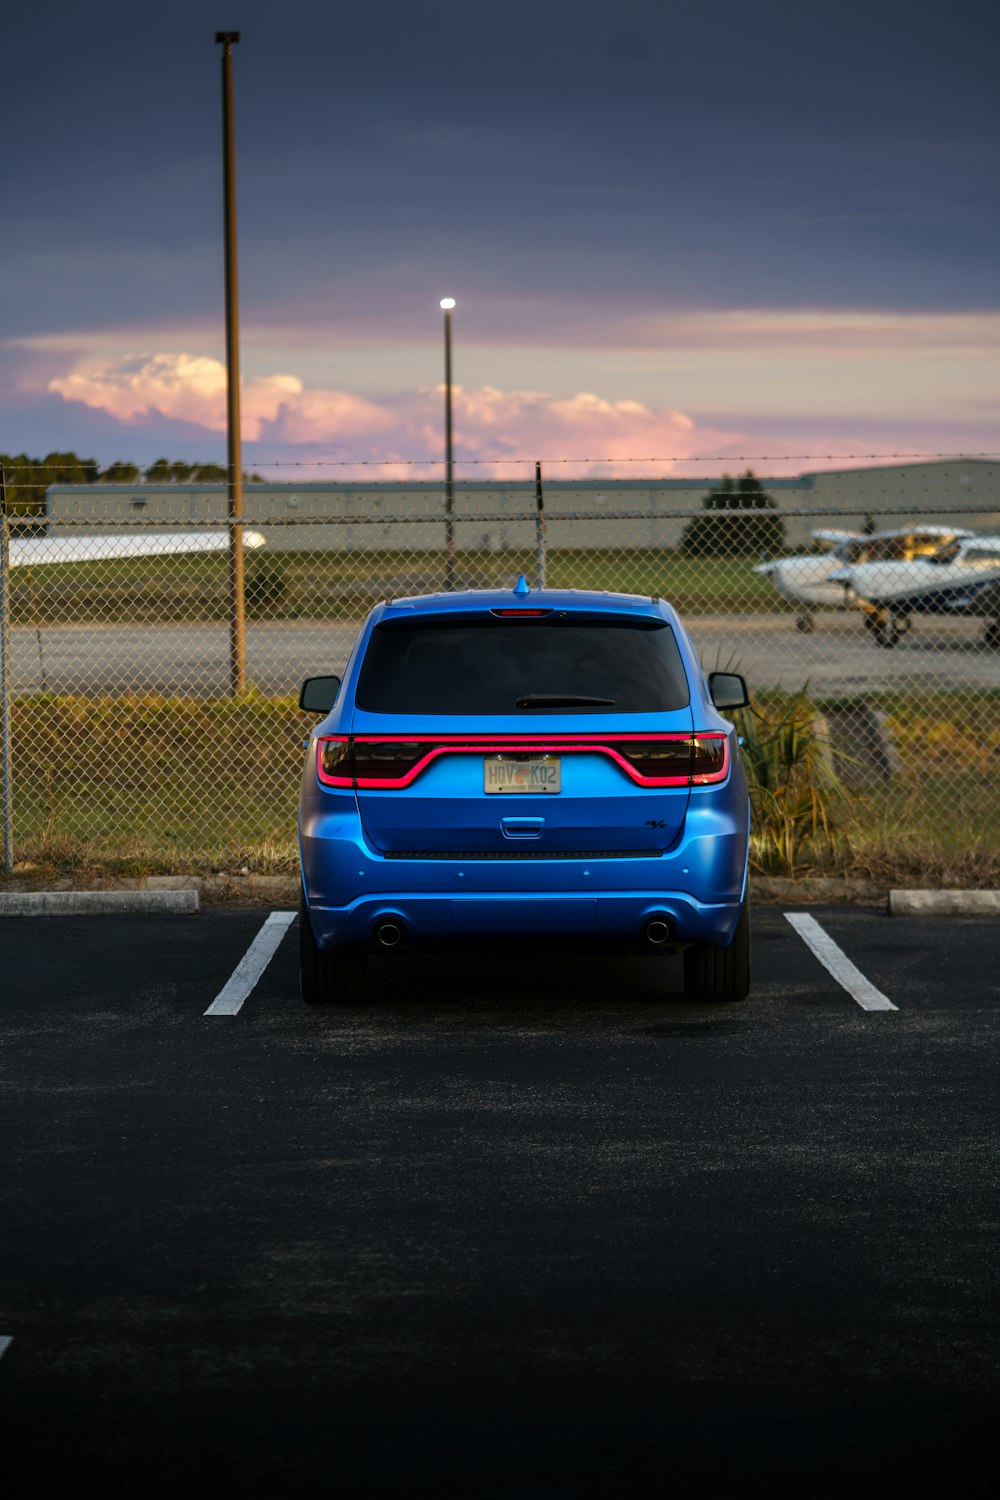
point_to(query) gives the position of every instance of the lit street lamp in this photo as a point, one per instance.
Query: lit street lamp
(447, 303)
(234, 457)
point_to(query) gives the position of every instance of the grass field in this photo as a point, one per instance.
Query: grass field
(153, 785)
(936, 820)
(339, 585)
(150, 785)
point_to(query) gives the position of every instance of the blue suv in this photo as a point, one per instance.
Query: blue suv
(524, 765)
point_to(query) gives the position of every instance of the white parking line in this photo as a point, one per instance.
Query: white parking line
(229, 1000)
(837, 962)
(5, 1342)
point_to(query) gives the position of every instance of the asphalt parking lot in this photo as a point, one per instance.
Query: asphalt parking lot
(838, 657)
(521, 1226)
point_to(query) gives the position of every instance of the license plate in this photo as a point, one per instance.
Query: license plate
(538, 773)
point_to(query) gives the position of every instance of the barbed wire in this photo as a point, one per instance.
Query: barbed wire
(663, 459)
(526, 516)
(40, 467)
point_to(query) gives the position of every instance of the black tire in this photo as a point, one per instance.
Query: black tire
(885, 630)
(335, 978)
(991, 636)
(805, 624)
(720, 974)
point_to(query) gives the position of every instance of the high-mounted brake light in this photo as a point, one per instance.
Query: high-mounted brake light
(523, 614)
(385, 763)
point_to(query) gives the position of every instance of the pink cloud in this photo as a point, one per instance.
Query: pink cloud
(193, 389)
(493, 427)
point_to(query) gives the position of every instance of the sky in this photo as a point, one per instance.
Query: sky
(697, 234)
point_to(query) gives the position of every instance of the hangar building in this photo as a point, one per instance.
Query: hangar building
(580, 513)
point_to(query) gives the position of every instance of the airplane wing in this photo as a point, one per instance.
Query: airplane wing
(831, 538)
(33, 552)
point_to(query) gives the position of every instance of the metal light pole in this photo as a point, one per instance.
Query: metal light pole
(6, 787)
(234, 457)
(447, 303)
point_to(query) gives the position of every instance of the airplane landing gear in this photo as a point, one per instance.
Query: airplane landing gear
(805, 623)
(886, 626)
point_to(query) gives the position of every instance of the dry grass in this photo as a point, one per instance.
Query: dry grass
(935, 822)
(130, 787)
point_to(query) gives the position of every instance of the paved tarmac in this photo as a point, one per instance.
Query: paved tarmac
(521, 1226)
(838, 657)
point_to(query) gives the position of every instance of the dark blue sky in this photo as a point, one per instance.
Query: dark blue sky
(604, 188)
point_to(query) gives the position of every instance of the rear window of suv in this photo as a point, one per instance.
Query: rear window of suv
(563, 664)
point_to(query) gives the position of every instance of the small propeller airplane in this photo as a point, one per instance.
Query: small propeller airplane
(961, 578)
(814, 581)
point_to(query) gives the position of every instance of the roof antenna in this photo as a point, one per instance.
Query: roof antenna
(521, 586)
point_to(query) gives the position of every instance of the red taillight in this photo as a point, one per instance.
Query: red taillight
(389, 763)
(710, 760)
(373, 763)
(333, 760)
(662, 760)
(521, 614)
(671, 759)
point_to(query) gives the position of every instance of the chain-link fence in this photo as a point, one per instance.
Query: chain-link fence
(868, 628)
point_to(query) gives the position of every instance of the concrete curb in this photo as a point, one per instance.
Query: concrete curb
(944, 903)
(178, 895)
(97, 903)
(250, 890)
(209, 890)
(826, 889)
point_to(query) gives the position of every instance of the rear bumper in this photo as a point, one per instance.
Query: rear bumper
(609, 915)
(698, 886)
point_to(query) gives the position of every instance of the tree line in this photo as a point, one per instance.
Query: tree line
(26, 479)
(737, 518)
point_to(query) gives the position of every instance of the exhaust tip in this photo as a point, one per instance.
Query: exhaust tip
(388, 934)
(657, 932)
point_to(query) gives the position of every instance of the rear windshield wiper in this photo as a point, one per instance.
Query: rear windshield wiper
(563, 700)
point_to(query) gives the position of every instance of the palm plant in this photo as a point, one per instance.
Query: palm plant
(794, 787)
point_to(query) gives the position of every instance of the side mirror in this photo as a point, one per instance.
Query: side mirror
(728, 690)
(319, 694)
